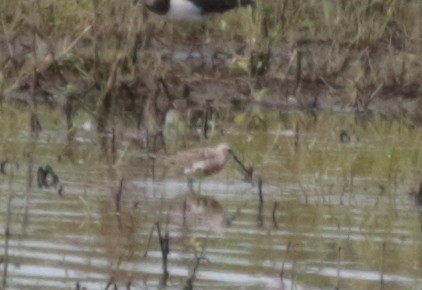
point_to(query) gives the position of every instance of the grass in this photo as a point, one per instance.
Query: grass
(109, 61)
(351, 48)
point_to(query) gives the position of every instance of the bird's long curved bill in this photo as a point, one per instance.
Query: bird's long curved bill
(247, 171)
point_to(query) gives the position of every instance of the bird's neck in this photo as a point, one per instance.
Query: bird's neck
(224, 159)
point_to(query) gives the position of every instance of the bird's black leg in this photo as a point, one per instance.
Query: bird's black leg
(190, 184)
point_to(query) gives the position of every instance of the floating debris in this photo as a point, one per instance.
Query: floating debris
(7, 166)
(418, 195)
(344, 137)
(46, 178)
(3, 166)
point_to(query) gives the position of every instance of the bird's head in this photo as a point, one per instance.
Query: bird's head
(225, 149)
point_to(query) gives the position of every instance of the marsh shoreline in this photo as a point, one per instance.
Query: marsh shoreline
(116, 58)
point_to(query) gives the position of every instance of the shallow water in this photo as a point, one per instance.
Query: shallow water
(334, 214)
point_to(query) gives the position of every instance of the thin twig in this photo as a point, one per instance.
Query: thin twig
(298, 70)
(149, 241)
(198, 259)
(105, 102)
(7, 234)
(118, 195)
(338, 268)
(113, 145)
(165, 250)
(275, 207)
(284, 260)
(384, 245)
(260, 218)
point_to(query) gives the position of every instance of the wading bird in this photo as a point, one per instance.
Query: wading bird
(192, 10)
(201, 162)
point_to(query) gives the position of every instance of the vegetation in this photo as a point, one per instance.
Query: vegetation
(335, 186)
(343, 206)
(103, 55)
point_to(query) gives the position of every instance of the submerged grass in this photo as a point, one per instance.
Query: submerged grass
(331, 195)
(321, 148)
(351, 193)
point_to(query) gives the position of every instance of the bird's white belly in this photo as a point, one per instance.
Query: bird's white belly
(198, 166)
(184, 10)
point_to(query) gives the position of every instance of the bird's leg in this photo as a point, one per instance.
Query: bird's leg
(190, 185)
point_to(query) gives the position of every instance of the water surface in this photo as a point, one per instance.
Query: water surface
(335, 214)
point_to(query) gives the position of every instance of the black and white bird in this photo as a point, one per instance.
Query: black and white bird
(192, 10)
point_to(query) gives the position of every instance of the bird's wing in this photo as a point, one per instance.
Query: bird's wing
(187, 157)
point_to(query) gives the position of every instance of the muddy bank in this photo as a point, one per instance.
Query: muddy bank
(308, 97)
(196, 80)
